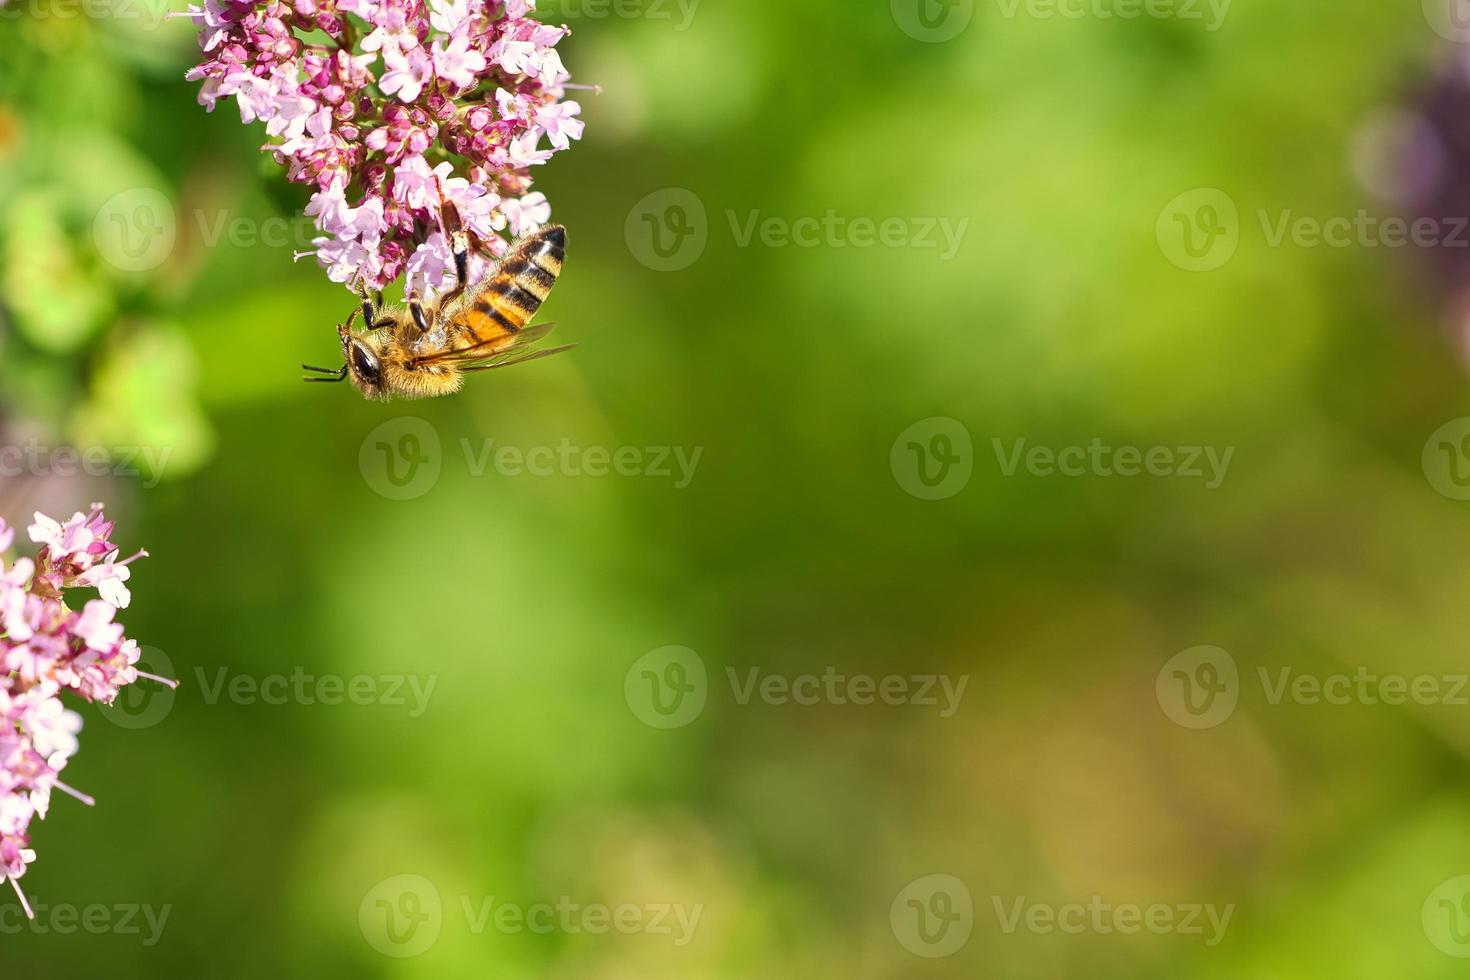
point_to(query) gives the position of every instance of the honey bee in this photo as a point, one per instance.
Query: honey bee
(413, 352)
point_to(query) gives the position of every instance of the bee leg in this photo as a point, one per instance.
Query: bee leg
(369, 315)
(372, 308)
(419, 320)
(459, 245)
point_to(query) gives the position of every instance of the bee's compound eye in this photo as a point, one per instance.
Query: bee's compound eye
(364, 363)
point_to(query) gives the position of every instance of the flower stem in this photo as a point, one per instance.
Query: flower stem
(167, 682)
(78, 794)
(22, 896)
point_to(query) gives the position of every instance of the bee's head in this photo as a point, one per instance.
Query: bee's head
(362, 358)
(362, 361)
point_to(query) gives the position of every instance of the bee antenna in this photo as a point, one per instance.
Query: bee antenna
(335, 374)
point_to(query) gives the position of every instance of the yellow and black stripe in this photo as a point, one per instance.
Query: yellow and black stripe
(511, 297)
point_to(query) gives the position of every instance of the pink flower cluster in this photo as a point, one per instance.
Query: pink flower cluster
(47, 649)
(400, 101)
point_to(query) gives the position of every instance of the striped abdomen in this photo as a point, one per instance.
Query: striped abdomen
(511, 297)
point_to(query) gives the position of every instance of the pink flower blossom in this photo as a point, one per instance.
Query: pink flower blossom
(445, 16)
(108, 578)
(432, 261)
(415, 185)
(95, 627)
(513, 108)
(345, 259)
(512, 55)
(526, 214)
(478, 208)
(457, 63)
(435, 92)
(523, 152)
(61, 539)
(409, 68)
(559, 123)
(329, 207)
(47, 650)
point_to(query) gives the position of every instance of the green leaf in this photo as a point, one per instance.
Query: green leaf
(143, 398)
(57, 304)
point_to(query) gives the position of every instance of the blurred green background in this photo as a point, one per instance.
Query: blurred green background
(286, 540)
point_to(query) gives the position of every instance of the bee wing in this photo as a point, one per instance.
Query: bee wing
(490, 348)
(506, 359)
